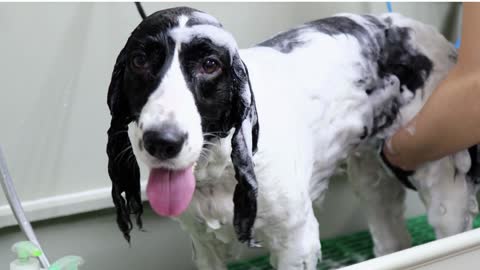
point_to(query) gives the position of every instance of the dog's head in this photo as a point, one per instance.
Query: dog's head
(180, 81)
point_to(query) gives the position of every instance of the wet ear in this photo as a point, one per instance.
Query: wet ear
(122, 165)
(244, 146)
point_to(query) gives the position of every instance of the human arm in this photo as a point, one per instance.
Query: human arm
(450, 119)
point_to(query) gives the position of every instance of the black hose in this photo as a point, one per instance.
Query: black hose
(140, 10)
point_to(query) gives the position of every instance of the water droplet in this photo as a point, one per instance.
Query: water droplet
(442, 210)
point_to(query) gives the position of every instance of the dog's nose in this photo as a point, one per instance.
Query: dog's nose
(164, 143)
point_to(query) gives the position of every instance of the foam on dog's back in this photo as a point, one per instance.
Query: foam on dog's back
(428, 41)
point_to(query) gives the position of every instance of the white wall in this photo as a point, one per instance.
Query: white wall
(57, 59)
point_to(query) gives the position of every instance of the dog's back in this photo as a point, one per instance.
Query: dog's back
(345, 80)
(426, 40)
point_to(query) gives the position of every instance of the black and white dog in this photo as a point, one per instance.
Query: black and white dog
(241, 143)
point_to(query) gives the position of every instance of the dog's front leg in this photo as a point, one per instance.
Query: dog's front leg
(208, 252)
(295, 242)
(206, 255)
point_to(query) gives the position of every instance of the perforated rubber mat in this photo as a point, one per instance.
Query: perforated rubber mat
(349, 249)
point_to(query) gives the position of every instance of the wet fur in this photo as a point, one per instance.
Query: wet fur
(325, 92)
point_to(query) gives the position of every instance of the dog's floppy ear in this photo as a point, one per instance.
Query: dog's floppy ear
(122, 165)
(244, 146)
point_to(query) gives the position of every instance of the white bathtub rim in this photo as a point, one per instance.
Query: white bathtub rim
(425, 254)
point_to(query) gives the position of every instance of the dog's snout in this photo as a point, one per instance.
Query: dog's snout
(164, 143)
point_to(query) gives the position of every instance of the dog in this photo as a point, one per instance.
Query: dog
(241, 144)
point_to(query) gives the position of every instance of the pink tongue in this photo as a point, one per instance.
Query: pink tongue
(170, 192)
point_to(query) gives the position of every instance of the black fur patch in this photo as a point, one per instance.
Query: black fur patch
(122, 166)
(213, 96)
(375, 22)
(221, 101)
(474, 172)
(398, 57)
(287, 41)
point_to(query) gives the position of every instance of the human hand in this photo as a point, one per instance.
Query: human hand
(384, 153)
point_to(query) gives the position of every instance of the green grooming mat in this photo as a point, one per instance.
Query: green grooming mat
(350, 249)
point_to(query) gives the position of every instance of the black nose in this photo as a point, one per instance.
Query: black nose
(164, 143)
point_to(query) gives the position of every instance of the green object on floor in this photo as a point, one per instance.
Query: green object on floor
(350, 249)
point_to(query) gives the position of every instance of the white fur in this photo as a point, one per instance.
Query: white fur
(217, 35)
(313, 123)
(206, 17)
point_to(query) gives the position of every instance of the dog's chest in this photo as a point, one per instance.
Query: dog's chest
(212, 203)
(212, 209)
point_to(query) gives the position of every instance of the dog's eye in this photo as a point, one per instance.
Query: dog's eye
(140, 62)
(210, 66)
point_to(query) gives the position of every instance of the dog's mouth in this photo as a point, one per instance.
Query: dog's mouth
(170, 191)
(170, 188)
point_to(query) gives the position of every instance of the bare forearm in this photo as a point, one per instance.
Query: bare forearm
(449, 122)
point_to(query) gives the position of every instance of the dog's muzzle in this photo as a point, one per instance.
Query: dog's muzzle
(169, 191)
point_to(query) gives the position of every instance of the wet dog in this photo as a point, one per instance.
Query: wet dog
(240, 143)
